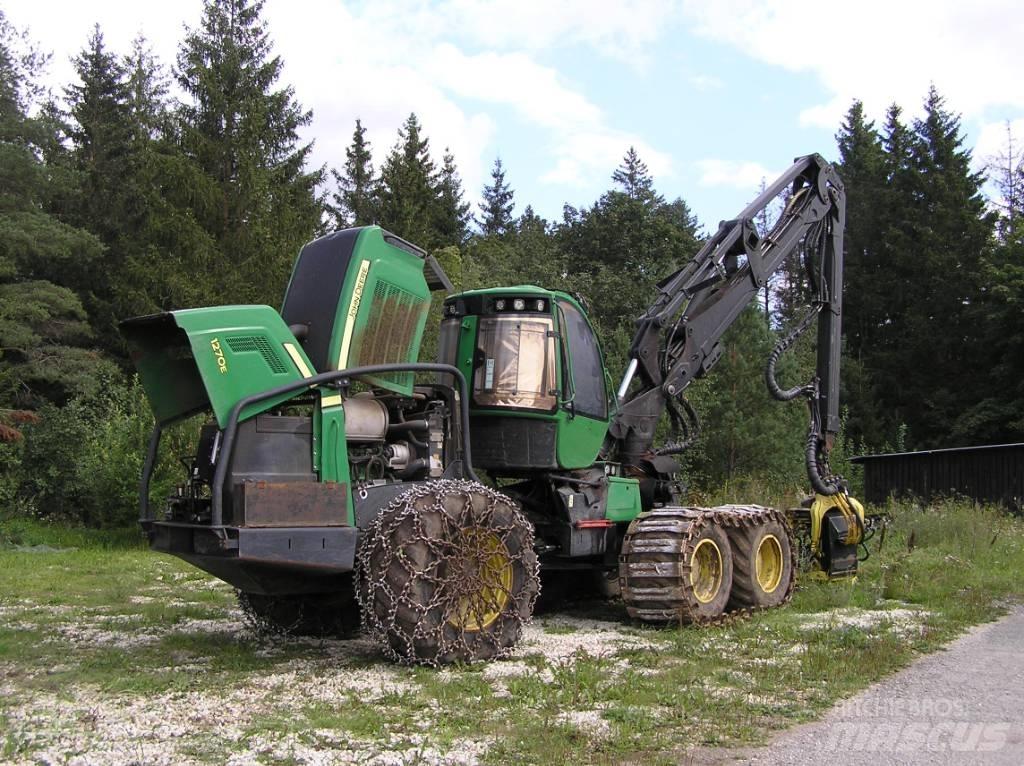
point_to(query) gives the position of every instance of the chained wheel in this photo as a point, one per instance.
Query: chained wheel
(762, 565)
(447, 573)
(320, 615)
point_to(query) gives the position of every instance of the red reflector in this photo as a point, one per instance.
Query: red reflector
(594, 523)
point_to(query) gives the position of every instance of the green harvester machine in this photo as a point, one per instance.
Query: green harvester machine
(334, 480)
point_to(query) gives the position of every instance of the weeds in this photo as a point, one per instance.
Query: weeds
(92, 627)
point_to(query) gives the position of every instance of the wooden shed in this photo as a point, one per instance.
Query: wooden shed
(991, 474)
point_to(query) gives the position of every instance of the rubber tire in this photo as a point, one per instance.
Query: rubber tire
(746, 590)
(317, 615)
(716, 606)
(426, 624)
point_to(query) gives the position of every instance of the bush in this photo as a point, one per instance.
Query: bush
(82, 462)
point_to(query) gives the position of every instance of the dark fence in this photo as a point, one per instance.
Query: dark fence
(992, 474)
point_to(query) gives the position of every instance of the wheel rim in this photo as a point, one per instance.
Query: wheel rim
(768, 563)
(706, 571)
(483, 580)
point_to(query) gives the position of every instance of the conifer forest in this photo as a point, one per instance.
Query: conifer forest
(146, 185)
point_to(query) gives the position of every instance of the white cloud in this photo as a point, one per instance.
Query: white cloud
(880, 51)
(621, 30)
(733, 174)
(582, 155)
(384, 61)
(705, 82)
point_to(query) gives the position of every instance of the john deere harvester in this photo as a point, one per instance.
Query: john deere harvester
(335, 474)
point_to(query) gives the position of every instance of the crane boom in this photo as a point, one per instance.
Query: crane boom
(678, 339)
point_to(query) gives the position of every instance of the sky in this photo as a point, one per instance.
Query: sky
(714, 96)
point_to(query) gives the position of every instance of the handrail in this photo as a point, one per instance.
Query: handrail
(230, 430)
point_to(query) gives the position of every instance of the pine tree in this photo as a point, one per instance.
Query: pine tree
(408, 188)
(496, 209)
(242, 131)
(355, 202)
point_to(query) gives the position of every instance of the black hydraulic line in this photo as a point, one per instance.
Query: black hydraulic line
(230, 430)
(776, 391)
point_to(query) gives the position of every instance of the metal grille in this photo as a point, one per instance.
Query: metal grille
(390, 331)
(240, 344)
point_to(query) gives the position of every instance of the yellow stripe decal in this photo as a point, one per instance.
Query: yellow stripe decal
(350, 317)
(300, 363)
(330, 400)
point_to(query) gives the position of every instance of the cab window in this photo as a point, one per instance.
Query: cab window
(588, 393)
(517, 363)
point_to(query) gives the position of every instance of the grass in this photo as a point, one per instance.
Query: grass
(93, 628)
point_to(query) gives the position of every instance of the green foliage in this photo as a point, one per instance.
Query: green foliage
(917, 236)
(81, 463)
(616, 251)
(745, 433)
(260, 204)
(496, 209)
(355, 202)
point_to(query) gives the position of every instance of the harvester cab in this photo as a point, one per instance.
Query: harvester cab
(541, 396)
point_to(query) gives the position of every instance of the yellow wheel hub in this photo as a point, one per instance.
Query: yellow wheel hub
(706, 570)
(484, 581)
(768, 563)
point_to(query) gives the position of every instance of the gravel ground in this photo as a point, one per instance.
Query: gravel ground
(961, 705)
(77, 726)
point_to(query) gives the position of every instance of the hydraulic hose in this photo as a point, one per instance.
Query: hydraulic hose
(776, 391)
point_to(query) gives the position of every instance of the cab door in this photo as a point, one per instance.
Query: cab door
(585, 393)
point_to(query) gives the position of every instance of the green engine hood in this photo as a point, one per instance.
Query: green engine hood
(211, 358)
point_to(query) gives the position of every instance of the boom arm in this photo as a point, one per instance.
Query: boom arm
(678, 338)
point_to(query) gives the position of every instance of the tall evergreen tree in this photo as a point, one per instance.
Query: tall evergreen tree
(632, 175)
(148, 91)
(452, 213)
(496, 209)
(44, 339)
(617, 250)
(862, 167)
(105, 139)
(355, 201)
(242, 130)
(408, 184)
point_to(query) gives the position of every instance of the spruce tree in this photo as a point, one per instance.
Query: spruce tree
(408, 188)
(355, 201)
(45, 341)
(452, 213)
(104, 141)
(241, 128)
(618, 249)
(633, 176)
(496, 209)
(866, 273)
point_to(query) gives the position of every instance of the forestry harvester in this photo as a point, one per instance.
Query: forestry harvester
(336, 476)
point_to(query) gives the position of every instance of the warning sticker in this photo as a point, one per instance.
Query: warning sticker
(489, 374)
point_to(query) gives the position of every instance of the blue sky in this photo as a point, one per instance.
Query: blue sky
(715, 96)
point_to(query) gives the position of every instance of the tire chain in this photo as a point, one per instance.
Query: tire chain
(679, 529)
(445, 573)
